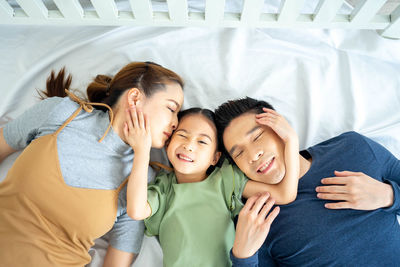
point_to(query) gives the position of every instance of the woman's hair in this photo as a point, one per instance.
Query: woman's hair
(148, 77)
(210, 116)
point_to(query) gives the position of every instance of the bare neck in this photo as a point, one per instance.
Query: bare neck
(305, 165)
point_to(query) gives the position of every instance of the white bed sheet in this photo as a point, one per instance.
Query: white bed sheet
(324, 82)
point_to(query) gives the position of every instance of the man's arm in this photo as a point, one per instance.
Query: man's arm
(356, 190)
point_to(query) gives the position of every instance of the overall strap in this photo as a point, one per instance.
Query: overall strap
(88, 107)
(157, 165)
(122, 184)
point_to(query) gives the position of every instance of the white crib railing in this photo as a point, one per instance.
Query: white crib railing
(105, 12)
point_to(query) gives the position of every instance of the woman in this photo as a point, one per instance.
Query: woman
(65, 189)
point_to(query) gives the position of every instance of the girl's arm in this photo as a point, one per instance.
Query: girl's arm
(137, 134)
(285, 191)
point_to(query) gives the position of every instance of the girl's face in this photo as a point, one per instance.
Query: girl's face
(193, 148)
(161, 110)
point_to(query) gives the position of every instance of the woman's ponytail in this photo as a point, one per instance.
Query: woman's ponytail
(56, 85)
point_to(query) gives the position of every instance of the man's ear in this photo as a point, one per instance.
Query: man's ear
(217, 156)
(134, 97)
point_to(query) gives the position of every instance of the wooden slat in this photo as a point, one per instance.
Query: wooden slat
(365, 11)
(215, 10)
(142, 9)
(326, 11)
(70, 9)
(290, 10)
(106, 9)
(6, 11)
(251, 11)
(178, 10)
(393, 30)
(33, 8)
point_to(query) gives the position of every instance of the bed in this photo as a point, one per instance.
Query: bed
(327, 66)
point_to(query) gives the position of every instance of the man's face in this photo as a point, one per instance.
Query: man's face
(256, 149)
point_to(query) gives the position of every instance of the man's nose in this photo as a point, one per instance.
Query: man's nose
(256, 156)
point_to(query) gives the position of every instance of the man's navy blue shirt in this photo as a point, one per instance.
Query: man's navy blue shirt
(305, 233)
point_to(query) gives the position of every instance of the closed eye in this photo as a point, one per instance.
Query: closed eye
(171, 109)
(238, 154)
(258, 136)
(203, 143)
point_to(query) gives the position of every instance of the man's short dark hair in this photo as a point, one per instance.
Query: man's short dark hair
(232, 109)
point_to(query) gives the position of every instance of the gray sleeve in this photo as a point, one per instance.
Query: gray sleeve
(20, 132)
(127, 234)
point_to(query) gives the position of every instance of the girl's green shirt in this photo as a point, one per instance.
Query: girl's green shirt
(194, 221)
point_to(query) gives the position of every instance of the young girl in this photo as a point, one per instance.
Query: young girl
(188, 209)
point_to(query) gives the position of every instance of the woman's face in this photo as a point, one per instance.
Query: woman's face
(161, 110)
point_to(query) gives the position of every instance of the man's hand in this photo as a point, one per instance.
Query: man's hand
(253, 225)
(355, 190)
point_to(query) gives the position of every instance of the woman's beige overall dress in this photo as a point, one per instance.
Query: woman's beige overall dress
(43, 221)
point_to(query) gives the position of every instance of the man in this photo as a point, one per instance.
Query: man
(346, 206)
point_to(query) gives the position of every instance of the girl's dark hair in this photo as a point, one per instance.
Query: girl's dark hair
(146, 76)
(209, 115)
(232, 109)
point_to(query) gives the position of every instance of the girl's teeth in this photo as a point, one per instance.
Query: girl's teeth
(185, 158)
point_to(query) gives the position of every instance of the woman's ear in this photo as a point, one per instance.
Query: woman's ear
(217, 156)
(134, 97)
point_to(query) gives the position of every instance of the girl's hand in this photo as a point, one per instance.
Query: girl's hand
(253, 225)
(137, 131)
(355, 190)
(277, 123)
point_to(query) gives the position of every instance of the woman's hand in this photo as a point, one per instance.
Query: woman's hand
(355, 190)
(278, 124)
(253, 225)
(137, 131)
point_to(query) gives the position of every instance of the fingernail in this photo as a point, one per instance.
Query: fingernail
(317, 189)
(318, 195)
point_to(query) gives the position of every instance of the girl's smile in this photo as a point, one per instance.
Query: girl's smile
(193, 148)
